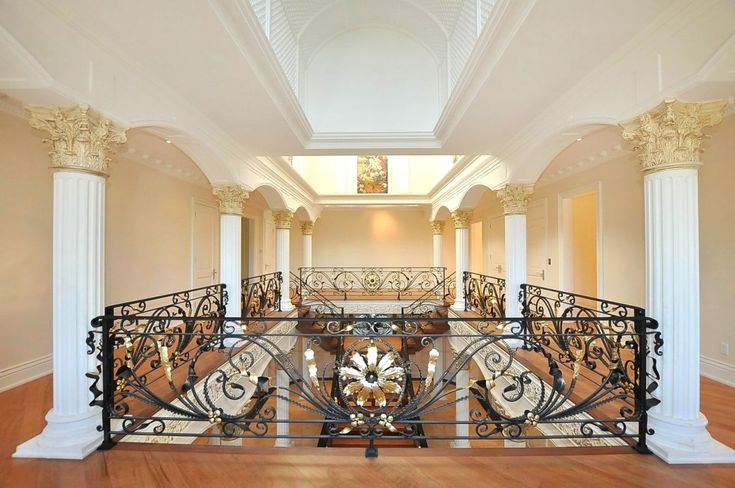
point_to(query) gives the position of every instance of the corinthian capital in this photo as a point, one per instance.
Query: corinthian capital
(671, 134)
(283, 219)
(461, 218)
(515, 198)
(231, 198)
(80, 138)
(307, 227)
(437, 227)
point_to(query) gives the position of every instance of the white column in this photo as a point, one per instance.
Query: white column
(283, 220)
(672, 272)
(282, 406)
(437, 227)
(78, 274)
(515, 203)
(462, 408)
(231, 199)
(462, 249)
(307, 229)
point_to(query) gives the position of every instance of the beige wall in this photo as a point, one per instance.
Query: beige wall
(372, 237)
(25, 243)
(584, 244)
(717, 241)
(148, 236)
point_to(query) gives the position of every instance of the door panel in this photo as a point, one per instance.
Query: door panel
(536, 228)
(496, 247)
(205, 252)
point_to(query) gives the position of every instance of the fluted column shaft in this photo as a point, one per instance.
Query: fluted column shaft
(462, 250)
(514, 198)
(283, 221)
(231, 200)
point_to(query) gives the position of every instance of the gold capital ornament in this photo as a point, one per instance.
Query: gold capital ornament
(283, 219)
(437, 227)
(671, 134)
(461, 218)
(514, 198)
(307, 228)
(231, 198)
(80, 138)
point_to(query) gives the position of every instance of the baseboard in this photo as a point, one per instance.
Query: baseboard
(24, 372)
(717, 370)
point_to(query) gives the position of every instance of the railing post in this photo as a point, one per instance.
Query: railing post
(642, 387)
(465, 277)
(108, 358)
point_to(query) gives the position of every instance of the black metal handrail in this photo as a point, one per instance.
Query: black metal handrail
(591, 390)
(484, 294)
(261, 294)
(312, 298)
(400, 282)
(427, 303)
(541, 301)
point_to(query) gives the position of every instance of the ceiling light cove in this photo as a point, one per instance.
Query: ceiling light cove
(372, 67)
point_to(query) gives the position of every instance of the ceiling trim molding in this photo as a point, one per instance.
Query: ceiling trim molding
(372, 140)
(243, 27)
(505, 20)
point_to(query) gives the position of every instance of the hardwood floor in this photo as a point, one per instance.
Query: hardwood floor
(22, 410)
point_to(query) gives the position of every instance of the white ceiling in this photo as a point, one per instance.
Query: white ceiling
(205, 73)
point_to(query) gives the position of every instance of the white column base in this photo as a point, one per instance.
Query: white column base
(64, 437)
(283, 443)
(286, 306)
(680, 441)
(458, 304)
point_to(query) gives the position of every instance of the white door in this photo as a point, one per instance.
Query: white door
(205, 236)
(496, 247)
(536, 227)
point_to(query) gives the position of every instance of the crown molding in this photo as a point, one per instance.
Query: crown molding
(355, 141)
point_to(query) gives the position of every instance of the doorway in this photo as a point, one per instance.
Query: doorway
(580, 267)
(204, 253)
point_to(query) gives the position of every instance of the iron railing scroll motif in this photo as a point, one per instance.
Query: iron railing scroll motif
(428, 303)
(582, 315)
(575, 379)
(383, 282)
(305, 296)
(261, 295)
(484, 294)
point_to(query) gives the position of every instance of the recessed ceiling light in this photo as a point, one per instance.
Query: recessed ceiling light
(579, 139)
(168, 141)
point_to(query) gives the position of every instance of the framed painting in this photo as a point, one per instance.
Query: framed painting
(372, 174)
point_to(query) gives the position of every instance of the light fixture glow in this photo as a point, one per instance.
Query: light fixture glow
(579, 139)
(168, 141)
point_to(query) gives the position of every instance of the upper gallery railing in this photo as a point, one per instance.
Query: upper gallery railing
(261, 295)
(306, 296)
(484, 294)
(426, 304)
(575, 379)
(377, 282)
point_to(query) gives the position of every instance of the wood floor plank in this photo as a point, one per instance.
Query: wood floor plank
(22, 410)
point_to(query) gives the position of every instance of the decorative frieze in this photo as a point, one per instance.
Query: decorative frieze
(307, 227)
(461, 218)
(283, 219)
(437, 227)
(80, 138)
(514, 198)
(231, 198)
(671, 134)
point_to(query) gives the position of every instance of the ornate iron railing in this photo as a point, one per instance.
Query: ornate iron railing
(261, 295)
(398, 283)
(484, 294)
(426, 304)
(306, 296)
(573, 380)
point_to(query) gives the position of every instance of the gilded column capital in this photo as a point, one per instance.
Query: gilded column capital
(307, 227)
(461, 218)
(514, 198)
(283, 219)
(437, 227)
(231, 198)
(671, 134)
(80, 138)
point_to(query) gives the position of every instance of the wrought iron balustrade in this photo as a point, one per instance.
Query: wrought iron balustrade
(575, 380)
(261, 295)
(306, 296)
(426, 304)
(384, 282)
(484, 294)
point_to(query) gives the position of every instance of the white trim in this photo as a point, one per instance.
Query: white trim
(717, 370)
(26, 371)
(596, 188)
